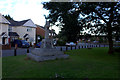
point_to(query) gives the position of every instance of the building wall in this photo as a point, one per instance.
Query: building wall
(40, 31)
(3, 28)
(0, 40)
(22, 30)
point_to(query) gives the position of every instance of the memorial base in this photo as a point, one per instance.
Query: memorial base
(43, 54)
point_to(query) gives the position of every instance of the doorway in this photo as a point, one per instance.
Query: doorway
(27, 39)
(3, 40)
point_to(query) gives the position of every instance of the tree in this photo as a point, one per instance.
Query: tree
(8, 17)
(67, 18)
(101, 18)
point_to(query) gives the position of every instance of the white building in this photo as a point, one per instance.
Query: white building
(25, 30)
(4, 23)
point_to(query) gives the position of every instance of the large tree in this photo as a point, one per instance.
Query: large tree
(66, 17)
(99, 17)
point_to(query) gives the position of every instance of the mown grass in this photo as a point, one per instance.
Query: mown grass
(83, 63)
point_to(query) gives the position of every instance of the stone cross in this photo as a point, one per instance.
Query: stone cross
(47, 25)
(47, 42)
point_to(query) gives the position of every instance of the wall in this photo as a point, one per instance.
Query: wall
(3, 28)
(40, 31)
(22, 30)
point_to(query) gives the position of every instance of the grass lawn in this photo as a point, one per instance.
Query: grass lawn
(83, 63)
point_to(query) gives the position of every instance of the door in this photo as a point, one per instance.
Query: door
(27, 39)
(3, 40)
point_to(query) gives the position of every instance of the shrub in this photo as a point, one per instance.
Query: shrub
(19, 38)
(60, 43)
(100, 40)
(117, 49)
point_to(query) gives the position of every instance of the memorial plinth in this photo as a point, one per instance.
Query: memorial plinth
(47, 51)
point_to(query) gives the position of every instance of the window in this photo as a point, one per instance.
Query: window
(29, 29)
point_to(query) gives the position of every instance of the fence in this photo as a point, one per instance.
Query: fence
(65, 48)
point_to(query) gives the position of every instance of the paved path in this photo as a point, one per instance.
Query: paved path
(23, 51)
(20, 51)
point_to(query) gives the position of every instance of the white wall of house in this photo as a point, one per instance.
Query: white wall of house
(29, 23)
(0, 40)
(22, 30)
(28, 28)
(4, 28)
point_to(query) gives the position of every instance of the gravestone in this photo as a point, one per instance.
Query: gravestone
(47, 51)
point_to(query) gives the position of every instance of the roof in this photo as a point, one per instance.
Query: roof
(25, 35)
(40, 26)
(44, 29)
(2, 33)
(17, 23)
(13, 34)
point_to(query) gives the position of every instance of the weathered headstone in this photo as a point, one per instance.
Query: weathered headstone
(47, 51)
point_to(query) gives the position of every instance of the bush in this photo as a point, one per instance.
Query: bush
(60, 43)
(19, 38)
(100, 40)
(117, 49)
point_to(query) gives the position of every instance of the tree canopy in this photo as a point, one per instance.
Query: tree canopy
(62, 13)
(8, 17)
(102, 18)
(99, 18)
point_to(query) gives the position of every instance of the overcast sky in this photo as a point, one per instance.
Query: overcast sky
(25, 9)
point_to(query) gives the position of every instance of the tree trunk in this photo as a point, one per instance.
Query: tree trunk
(110, 51)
